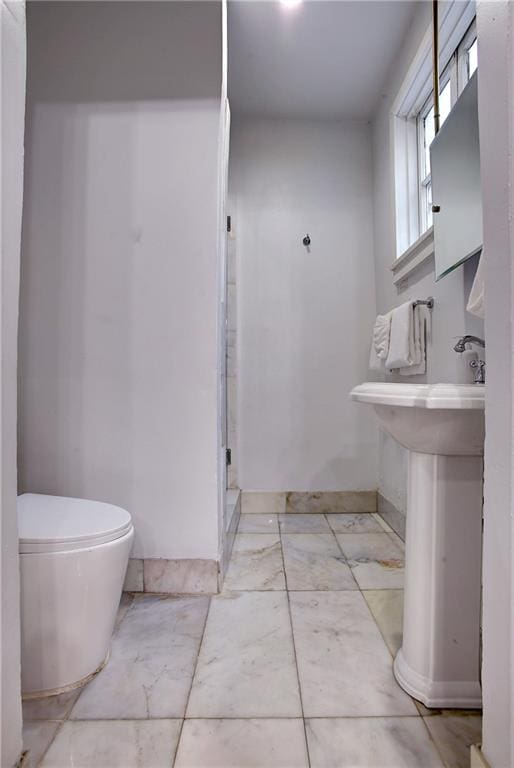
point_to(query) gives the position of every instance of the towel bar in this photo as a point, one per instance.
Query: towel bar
(429, 302)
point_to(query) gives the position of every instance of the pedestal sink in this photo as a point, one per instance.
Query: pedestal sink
(442, 426)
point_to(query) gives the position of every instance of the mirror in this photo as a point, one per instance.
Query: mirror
(455, 164)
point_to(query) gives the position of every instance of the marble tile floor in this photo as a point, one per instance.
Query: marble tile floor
(289, 667)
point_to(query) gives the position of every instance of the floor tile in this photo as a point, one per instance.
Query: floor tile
(256, 563)
(242, 744)
(375, 559)
(258, 524)
(344, 665)
(246, 665)
(114, 744)
(380, 742)
(152, 661)
(386, 605)
(294, 523)
(50, 707)
(363, 522)
(37, 737)
(314, 561)
(263, 502)
(454, 736)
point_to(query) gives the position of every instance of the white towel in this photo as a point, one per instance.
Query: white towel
(407, 343)
(476, 301)
(380, 342)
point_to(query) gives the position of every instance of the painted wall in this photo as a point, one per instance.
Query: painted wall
(449, 317)
(496, 118)
(12, 32)
(303, 317)
(118, 343)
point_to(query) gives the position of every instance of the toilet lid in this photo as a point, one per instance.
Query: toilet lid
(58, 523)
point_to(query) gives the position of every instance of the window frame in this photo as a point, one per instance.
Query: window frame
(449, 75)
(411, 247)
(462, 55)
(457, 74)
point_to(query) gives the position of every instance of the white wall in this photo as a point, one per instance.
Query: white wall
(12, 32)
(496, 118)
(118, 350)
(303, 318)
(449, 317)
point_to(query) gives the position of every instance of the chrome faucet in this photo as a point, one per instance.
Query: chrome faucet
(477, 365)
(461, 344)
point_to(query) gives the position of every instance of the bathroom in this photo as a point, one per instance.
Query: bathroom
(208, 207)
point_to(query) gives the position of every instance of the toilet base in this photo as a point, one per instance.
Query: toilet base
(69, 602)
(35, 695)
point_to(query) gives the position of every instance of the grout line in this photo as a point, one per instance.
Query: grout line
(375, 621)
(398, 542)
(462, 714)
(327, 518)
(295, 656)
(434, 742)
(348, 565)
(57, 731)
(195, 667)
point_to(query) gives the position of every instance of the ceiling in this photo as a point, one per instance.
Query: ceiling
(321, 58)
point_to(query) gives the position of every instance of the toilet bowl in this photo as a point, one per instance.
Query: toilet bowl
(73, 559)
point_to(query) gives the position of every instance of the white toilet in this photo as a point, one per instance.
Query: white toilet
(73, 559)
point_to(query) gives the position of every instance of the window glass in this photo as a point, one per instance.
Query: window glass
(445, 102)
(472, 57)
(445, 105)
(429, 131)
(430, 217)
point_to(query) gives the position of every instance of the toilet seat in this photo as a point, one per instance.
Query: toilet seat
(61, 524)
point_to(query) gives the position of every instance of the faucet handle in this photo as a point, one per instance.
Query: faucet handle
(479, 369)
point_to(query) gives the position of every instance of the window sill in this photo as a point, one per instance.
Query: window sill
(416, 255)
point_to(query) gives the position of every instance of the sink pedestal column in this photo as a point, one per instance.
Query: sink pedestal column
(439, 662)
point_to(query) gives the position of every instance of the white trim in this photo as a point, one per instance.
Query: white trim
(462, 64)
(456, 19)
(415, 89)
(405, 181)
(413, 257)
(221, 236)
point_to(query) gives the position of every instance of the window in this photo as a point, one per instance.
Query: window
(456, 74)
(412, 129)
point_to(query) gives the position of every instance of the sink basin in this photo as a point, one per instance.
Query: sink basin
(442, 426)
(446, 419)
